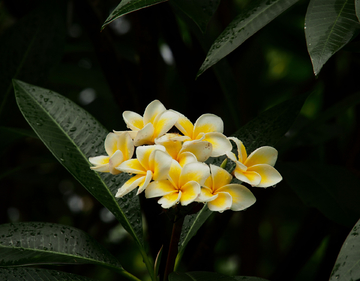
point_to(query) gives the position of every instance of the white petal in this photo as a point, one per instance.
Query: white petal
(206, 195)
(184, 125)
(144, 154)
(242, 197)
(249, 177)
(145, 135)
(133, 120)
(132, 166)
(152, 110)
(185, 158)
(99, 160)
(207, 123)
(262, 155)
(198, 172)
(222, 203)
(242, 154)
(111, 143)
(115, 161)
(201, 149)
(269, 175)
(159, 188)
(144, 185)
(190, 191)
(164, 122)
(170, 200)
(220, 144)
(161, 164)
(130, 185)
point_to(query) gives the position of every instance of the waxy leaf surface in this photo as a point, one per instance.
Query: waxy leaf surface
(73, 135)
(329, 25)
(247, 23)
(347, 265)
(48, 243)
(38, 274)
(128, 6)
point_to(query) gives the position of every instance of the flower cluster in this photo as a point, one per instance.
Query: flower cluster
(172, 165)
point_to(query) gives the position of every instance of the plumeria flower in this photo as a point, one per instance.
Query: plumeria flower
(208, 127)
(183, 184)
(151, 163)
(257, 169)
(119, 147)
(156, 122)
(222, 195)
(185, 152)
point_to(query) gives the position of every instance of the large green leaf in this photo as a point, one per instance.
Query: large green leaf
(128, 6)
(209, 276)
(331, 189)
(271, 125)
(247, 23)
(329, 25)
(38, 274)
(357, 8)
(347, 265)
(73, 135)
(48, 243)
(200, 11)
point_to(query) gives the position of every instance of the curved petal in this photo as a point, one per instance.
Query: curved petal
(132, 166)
(262, 155)
(197, 171)
(185, 158)
(190, 191)
(269, 175)
(221, 203)
(161, 164)
(170, 200)
(111, 143)
(99, 160)
(126, 145)
(184, 125)
(131, 133)
(152, 110)
(242, 197)
(133, 120)
(145, 135)
(172, 144)
(207, 123)
(242, 154)
(174, 173)
(206, 195)
(201, 149)
(220, 177)
(159, 188)
(164, 122)
(130, 185)
(145, 183)
(115, 161)
(249, 177)
(220, 144)
(144, 154)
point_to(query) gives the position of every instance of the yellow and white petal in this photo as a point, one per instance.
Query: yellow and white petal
(99, 160)
(222, 203)
(184, 125)
(145, 153)
(250, 177)
(190, 191)
(174, 173)
(101, 168)
(197, 171)
(145, 183)
(207, 123)
(145, 135)
(242, 197)
(186, 157)
(126, 145)
(164, 122)
(133, 120)
(159, 188)
(242, 154)
(206, 195)
(115, 160)
(152, 110)
(132, 166)
(269, 175)
(170, 200)
(111, 143)
(201, 149)
(220, 177)
(262, 155)
(161, 163)
(131, 133)
(172, 144)
(220, 144)
(130, 185)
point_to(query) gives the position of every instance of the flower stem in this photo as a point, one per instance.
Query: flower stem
(173, 247)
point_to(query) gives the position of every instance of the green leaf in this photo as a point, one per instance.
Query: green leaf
(191, 225)
(331, 189)
(73, 135)
(329, 25)
(200, 11)
(209, 276)
(48, 243)
(357, 8)
(271, 125)
(128, 6)
(38, 274)
(247, 23)
(347, 265)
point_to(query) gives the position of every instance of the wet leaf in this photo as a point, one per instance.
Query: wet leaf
(329, 26)
(247, 23)
(209, 276)
(73, 135)
(200, 11)
(347, 265)
(38, 274)
(48, 243)
(128, 6)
